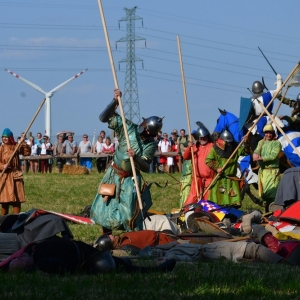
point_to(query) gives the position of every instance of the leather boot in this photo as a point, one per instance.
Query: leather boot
(265, 237)
(128, 267)
(247, 220)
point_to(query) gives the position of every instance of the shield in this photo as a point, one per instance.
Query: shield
(245, 109)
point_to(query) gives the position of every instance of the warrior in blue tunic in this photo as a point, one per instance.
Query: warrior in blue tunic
(117, 211)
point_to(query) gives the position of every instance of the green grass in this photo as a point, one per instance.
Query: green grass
(202, 280)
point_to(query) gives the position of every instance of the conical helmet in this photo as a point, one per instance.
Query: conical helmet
(257, 87)
(202, 131)
(226, 136)
(152, 124)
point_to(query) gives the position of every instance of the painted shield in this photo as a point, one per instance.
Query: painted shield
(245, 109)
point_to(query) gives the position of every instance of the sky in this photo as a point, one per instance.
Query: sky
(48, 42)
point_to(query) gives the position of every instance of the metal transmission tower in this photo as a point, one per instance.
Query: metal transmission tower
(130, 94)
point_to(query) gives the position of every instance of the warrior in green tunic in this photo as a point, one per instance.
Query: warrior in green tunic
(226, 189)
(117, 211)
(267, 156)
(185, 181)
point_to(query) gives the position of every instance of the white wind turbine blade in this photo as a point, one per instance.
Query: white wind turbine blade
(94, 138)
(36, 87)
(66, 82)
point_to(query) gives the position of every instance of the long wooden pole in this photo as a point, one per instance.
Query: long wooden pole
(25, 132)
(121, 106)
(187, 115)
(279, 128)
(253, 125)
(277, 109)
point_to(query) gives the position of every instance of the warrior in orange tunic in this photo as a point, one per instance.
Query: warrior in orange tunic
(204, 174)
(11, 181)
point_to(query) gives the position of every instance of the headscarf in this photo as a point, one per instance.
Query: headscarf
(7, 133)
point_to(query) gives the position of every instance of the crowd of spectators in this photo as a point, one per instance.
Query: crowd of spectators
(63, 150)
(169, 149)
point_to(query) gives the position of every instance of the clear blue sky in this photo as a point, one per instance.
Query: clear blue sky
(47, 42)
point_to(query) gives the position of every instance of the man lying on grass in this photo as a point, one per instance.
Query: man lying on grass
(61, 256)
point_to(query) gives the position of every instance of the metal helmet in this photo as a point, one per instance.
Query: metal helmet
(103, 242)
(268, 127)
(202, 131)
(152, 124)
(226, 136)
(257, 87)
(100, 262)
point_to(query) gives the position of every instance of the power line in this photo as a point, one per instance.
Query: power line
(222, 26)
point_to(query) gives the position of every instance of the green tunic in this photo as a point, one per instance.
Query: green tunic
(119, 209)
(225, 191)
(268, 174)
(185, 181)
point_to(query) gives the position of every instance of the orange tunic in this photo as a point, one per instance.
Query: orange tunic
(203, 172)
(11, 181)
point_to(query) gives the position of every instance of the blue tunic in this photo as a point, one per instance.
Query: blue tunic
(119, 209)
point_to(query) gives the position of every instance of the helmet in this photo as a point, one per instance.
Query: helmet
(257, 87)
(103, 242)
(152, 124)
(99, 262)
(202, 131)
(268, 127)
(226, 136)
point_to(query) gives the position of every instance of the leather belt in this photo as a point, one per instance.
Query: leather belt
(120, 172)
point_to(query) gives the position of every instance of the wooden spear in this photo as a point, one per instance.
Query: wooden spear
(187, 114)
(25, 132)
(277, 109)
(278, 127)
(121, 107)
(253, 125)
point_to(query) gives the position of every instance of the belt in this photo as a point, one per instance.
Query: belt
(234, 178)
(120, 172)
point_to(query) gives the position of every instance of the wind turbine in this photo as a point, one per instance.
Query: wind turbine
(47, 96)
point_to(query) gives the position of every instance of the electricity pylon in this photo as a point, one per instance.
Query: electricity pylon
(130, 94)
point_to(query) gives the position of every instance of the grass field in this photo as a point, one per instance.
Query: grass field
(203, 280)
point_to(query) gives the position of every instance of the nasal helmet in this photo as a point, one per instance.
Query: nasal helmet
(152, 124)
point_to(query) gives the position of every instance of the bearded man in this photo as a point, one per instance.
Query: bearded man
(226, 190)
(204, 175)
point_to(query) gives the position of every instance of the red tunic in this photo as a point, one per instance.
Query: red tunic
(204, 174)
